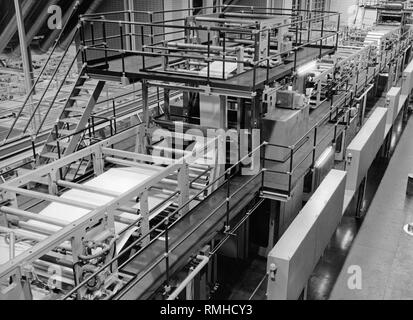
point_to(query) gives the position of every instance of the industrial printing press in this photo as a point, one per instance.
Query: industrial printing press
(254, 107)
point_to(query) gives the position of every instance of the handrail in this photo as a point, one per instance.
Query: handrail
(254, 63)
(55, 96)
(48, 86)
(250, 7)
(29, 95)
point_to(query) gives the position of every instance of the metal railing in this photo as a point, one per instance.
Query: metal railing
(30, 94)
(165, 223)
(130, 31)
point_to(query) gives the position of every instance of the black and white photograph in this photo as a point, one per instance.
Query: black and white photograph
(208, 157)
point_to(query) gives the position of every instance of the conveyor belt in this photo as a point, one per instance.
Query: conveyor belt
(114, 180)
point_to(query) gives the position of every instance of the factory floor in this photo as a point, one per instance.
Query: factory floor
(246, 281)
(382, 250)
(375, 242)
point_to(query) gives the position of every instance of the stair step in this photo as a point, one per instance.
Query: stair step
(62, 144)
(80, 98)
(86, 86)
(82, 169)
(50, 155)
(65, 132)
(44, 104)
(62, 103)
(76, 165)
(74, 109)
(70, 120)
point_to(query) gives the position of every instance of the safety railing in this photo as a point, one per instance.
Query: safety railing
(145, 35)
(111, 117)
(30, 95)
(42, 102)
(302, 164)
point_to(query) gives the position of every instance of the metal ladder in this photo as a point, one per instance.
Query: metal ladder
(32, 107)
(68, 131)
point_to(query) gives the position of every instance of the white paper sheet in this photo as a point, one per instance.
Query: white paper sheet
(118, 180)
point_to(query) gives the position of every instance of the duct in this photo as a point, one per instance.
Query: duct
(11, 28)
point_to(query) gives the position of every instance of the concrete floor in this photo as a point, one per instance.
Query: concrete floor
(381, 249)
(241, 282)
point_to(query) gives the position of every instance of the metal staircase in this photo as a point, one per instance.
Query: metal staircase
(39, 110)
(64, 114)
(67, 133)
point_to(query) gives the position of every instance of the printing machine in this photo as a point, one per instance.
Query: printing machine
(50, 249)
(166, 196)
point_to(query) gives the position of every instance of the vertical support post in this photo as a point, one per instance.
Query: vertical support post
(256, 109)
(295, 46)
(223, 55)
(53, 177)
(26, 57)
(144, 211)
(167, 288)
(227, 223)
(209, 56)
(183, 187)
(122, 46)
(224, 112)
(268, 55)
(166, 103)
(12, 243)
(338, 30)
(130, 30)
(143, 46)
(131, 7)
(33, 141)
(83, 41)
(152, 29)
(145, 111)
(290, 178)
(314, 146)
(105, 40)
(321, 38)
(92, 31)
(98, 162)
